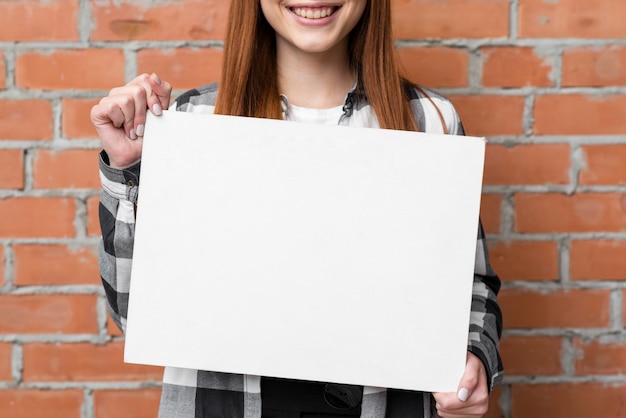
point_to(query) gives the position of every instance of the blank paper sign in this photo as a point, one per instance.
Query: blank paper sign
(324, 253)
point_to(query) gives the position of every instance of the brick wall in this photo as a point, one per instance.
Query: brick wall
(545, 81)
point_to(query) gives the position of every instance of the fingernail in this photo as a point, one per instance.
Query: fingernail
(132, 134)
(157, 79)
(462, 394)
(157, 109)
(140, 130)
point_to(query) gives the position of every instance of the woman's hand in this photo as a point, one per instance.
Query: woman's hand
(120, 117)
(472, 396)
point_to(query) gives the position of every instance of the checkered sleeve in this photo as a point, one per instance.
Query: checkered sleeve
(117, 224)
(486, 317)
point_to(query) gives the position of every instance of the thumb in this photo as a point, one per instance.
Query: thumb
(471, 378)
(463, 393)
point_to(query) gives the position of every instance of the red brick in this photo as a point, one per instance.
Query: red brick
(596, 358)
(29, 403)
(5, 362)
(112, 328)
(181, 19)
(68, 169)
(558, 309)
(93, 220)
(28, 20)
(604, 164)
(597, 260)
(48, 314)
(76, 120)
(515, 67)
(82, 362)
(85, 69)
(594, 67)
(525, 260)
(572, 19)
(419, 19)
(54, 265)
(33, 217)
(491, 115)
(527, 164)
(25, 119)
(174, 65)
(11, 169)
(532, 355)
(127, 403)
(490, 212)
(435, 67)
(574, 114)
(581, 212)
(568, 400)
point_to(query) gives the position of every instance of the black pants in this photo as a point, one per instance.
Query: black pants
(283, 398)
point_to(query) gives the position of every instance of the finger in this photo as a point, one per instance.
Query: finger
(472, 395)
(448, 402)
(464, 412)
(474, 370)
(162, 91)
(140, 100)
(106, 113)
(450, 406)
(110, 113)
(136, 92)
(132, 101)
(157, 92)
(125, 102)
(463, 394)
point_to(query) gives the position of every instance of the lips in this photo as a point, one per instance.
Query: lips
(314, 12)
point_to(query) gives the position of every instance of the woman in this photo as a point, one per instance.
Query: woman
(308, 61)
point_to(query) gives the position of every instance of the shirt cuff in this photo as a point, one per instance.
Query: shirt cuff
(120, 184)
(491, 360)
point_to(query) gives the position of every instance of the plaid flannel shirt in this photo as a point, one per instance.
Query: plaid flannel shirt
(204, 394)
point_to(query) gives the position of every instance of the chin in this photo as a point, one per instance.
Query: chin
(316, 46)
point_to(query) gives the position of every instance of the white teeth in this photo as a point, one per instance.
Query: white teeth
(317, 13)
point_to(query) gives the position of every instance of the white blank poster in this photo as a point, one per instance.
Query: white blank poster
(324, 253)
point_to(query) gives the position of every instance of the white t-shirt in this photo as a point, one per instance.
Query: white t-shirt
(328, 116)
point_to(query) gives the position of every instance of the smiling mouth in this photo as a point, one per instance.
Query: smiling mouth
(314, 12)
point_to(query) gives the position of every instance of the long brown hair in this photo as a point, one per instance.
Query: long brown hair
(249, 87)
